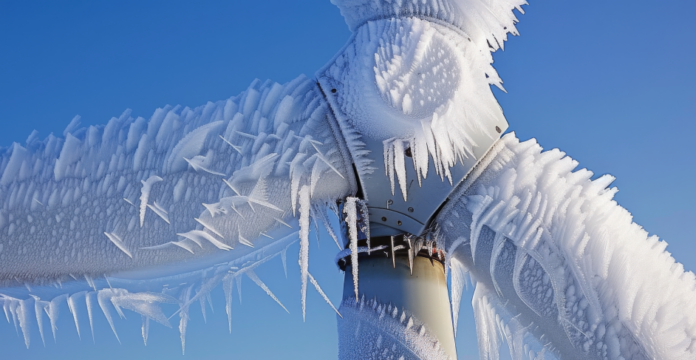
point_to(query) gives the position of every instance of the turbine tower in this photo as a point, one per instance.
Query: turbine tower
(396, 148)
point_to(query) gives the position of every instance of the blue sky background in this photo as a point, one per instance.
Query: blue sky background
(609, 82)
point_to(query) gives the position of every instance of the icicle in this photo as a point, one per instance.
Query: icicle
(119, 311)
(419, 245)
(239, 287)
(321, 292)
(389, 162)
(23, 312)
(90, 282)
(145, 328)
(227, 289)
(296, 172)
(400, 167)
(89, 303)
(393, 255)
(102, 297)
(210, 302)
(284, 259)
(108, 282)
(38, 311)
(14, 306)
(304, 244)
(6, 309)
(318, 169)
(351, 219)
(201, 300)
(72, 306)
(184, 317)
(250, 273)
(409, 240)
(327, 225)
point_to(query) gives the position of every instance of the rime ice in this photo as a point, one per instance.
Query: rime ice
(212, 185)
(560, 267)
(185, 184)
(92, 219)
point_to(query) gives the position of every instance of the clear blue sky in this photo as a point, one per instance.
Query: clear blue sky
(609, 82)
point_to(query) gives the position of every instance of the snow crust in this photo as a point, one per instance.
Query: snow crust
(560, 267)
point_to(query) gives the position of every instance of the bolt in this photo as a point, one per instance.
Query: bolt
(398, 223)
(408, 152)
(333, 91)
(498, 130)
(410, 209)
(384, 219)
(390, 201)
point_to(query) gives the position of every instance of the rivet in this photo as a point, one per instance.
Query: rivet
(498, 130)
(384, 219)
(408, 152)
(390, 201)
(398, 223)
(410, 209)
(333, 91)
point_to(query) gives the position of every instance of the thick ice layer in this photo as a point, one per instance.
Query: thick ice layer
(556, 254)
(413, 83)
(137, 214)
(186, 185)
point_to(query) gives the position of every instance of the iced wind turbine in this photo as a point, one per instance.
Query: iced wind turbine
(395, 149)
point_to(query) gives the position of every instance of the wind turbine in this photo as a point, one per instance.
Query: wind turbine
(146, 210)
